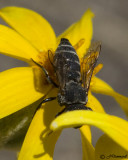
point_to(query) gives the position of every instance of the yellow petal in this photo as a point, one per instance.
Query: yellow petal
(82, 29)
(12, 44)
(88, 149)
(18, 90)
(97, 69)
(94, 104)
(114, 127)
(31, 26)
(99, 86)
(39, 143)
(106, 148)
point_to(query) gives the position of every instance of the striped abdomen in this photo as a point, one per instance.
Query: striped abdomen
(66, 63)
(67, 67)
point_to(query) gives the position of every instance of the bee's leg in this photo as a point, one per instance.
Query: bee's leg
(46, 100)
(60, 112)
(46, 74)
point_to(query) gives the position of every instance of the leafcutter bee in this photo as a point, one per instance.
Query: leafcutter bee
(73, 79)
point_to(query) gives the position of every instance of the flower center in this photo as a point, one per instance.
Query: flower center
(46, 60)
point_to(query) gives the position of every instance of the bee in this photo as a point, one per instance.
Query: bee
(73, 79)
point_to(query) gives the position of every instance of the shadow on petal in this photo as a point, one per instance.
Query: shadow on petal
(106, 148)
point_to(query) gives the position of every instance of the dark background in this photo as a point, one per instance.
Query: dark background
(110, 27)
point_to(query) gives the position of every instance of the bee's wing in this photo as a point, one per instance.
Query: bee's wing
(89, 62)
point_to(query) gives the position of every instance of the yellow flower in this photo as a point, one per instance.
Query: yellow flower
(30, 37)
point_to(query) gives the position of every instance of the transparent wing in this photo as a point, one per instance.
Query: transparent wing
(89, 62)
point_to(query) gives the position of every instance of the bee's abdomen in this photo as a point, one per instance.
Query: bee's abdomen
(66, 63)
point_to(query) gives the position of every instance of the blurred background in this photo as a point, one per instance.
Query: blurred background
(110, 27)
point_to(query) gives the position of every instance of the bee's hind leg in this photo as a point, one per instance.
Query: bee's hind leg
(46, 100)
(63, 110)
